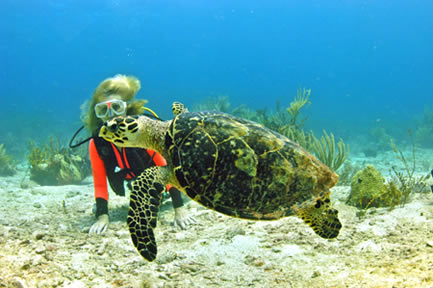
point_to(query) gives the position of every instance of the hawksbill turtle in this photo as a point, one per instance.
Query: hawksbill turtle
(232, 165)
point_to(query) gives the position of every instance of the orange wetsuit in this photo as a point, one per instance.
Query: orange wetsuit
(121, 163)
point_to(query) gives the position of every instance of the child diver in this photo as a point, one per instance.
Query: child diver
(115, 97)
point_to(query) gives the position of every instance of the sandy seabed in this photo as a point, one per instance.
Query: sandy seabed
(44, 242)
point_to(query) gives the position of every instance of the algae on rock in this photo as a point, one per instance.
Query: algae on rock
(51, 165)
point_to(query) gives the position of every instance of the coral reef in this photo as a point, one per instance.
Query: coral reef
(325, 151)
(407, 184)
(286, 121)
(243, 111)
(304, 139)
(368, 187)
(7, 165)
(301, 100)
(51, 165)
(276, 121)
(290, 123)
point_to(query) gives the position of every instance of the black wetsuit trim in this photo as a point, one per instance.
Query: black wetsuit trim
(101, 207)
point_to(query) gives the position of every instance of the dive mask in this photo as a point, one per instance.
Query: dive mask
(110, 108)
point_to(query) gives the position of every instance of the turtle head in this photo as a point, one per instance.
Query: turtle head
(122, 131)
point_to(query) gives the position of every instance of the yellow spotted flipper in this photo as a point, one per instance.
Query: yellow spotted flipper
(144, 203)
(321, 217)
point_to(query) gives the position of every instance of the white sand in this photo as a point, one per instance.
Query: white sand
(44, 243)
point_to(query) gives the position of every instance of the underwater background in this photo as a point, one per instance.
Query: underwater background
(367, 63)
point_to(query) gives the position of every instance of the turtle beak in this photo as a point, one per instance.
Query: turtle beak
(103, 130)
(112, 126)
(107, 129)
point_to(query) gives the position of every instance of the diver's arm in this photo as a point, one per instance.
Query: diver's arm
(175, 195)
(101, 190)
(181, 216)
(157, 158)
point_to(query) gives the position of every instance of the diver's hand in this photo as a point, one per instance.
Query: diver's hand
(182, 219)
(100, 225)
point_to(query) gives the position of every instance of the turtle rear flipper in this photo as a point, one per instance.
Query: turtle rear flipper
(322, 218)
(144, 203)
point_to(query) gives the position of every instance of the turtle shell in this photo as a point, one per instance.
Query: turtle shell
(242, 169)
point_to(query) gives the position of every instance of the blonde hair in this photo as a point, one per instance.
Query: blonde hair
(124, 87)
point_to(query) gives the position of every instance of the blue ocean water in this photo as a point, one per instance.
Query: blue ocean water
(368, 63)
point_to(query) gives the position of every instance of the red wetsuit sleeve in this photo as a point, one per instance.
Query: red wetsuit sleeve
(157, 158)
(159, 161)
(99, 174)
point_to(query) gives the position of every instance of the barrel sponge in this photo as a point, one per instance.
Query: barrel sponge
(367, 188)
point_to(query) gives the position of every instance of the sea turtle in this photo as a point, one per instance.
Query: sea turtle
(234, 166)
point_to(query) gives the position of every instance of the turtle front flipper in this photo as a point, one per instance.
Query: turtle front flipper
(321, 217)
(144, 203)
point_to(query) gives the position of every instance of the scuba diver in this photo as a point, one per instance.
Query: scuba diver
(115, 97)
